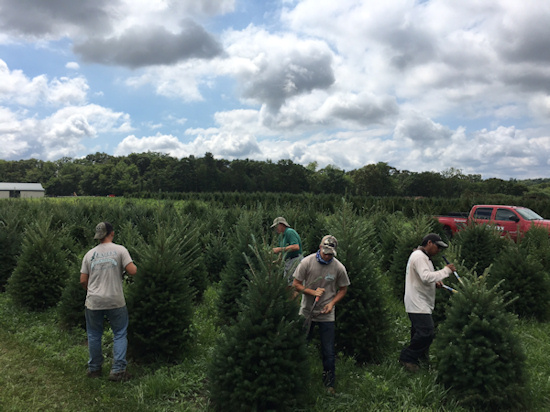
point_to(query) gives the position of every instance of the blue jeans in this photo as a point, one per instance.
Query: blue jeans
(118, 318)
(327, 332)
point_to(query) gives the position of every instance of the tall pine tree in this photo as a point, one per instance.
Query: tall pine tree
(234, 276)
(160, 299)
(362, 318)
(260, 361)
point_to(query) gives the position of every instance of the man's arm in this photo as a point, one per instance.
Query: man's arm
(131, 269)
(299, 286)
(84, 280)
(337, 298)
(289, 248)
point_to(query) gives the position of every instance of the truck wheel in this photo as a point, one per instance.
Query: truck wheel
(448, 232)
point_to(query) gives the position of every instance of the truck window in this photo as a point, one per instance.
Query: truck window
(504, 214)
(528, 214)
(483, 213)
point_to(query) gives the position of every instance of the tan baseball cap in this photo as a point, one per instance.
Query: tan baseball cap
(278, 220)
(329, 245)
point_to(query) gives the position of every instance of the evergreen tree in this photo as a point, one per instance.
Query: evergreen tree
(71, 306)
(260, 361)
(407, 238)
(216, 251)
(234, 276)
(42, 268)
(480, 357)
(11, 227)
(160, 298)
(443, 297)
(362, 319)
(525, 278)
(480, 244)
(535, 244)
(388, 226)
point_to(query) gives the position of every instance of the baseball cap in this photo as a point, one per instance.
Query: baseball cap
(102, 229)
(328, 245)
(434, 238)
(278, 220)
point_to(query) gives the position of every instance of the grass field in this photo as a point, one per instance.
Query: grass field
(43, 368)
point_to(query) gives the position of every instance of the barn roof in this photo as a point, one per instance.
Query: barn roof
(29, 187)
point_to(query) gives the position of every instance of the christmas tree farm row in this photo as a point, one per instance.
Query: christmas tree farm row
(182, 248)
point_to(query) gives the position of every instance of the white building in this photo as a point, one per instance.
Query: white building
(24, 190)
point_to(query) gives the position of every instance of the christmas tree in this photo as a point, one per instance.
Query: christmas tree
(480, 244)
(407, 238)
(480, 357)
(42, 268)
(525, 278)
(71, 305)
(362, 319)
(160, 300)
(234, 276)
(260, 361)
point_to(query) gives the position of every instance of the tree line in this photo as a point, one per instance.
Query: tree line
(151, 173)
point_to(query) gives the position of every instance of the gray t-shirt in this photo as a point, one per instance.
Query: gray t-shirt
(315, 275)
(104, 265)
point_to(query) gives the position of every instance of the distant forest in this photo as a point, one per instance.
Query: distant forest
(154, 174)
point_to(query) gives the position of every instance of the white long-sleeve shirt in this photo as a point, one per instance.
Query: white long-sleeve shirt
(420, 280)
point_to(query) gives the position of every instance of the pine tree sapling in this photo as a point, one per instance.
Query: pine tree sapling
(260, 361)
(42, 268)
(480, 356)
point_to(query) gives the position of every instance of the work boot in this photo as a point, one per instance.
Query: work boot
(122, 376)
(93, 374)
(411, 367)
(328, 379)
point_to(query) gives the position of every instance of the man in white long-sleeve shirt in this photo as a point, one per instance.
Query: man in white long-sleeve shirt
(421, 280)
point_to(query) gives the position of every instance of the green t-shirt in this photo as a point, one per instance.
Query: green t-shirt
(290, 237)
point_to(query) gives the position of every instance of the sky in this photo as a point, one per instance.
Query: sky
(437, 85)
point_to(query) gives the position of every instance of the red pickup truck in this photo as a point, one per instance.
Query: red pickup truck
(510, 220)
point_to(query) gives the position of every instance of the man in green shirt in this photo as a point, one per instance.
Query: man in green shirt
(290, 247)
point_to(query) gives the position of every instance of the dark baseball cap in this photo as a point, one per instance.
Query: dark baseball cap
(434, 238)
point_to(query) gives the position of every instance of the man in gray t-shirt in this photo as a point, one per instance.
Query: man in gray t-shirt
(101, 276)
(320, 275)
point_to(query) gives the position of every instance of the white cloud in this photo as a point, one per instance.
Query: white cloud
(420, 85)
(63, 134)
(16, 88)
(72, 65)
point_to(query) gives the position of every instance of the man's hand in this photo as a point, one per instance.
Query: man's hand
(438, 284)
(452, 267)
(319, 292)
(328, 308)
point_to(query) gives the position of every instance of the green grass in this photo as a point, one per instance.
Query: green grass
(43, 368)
